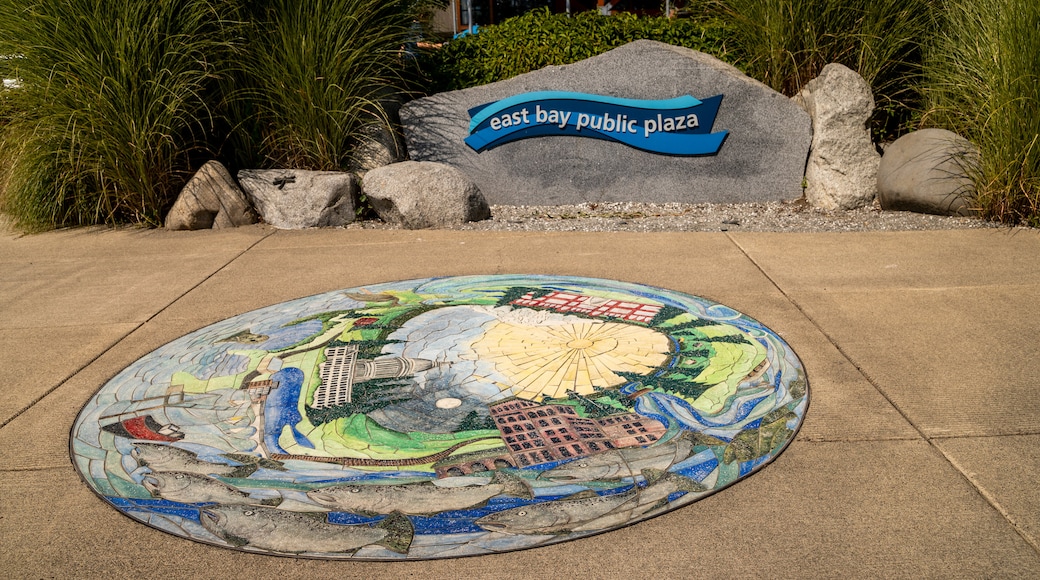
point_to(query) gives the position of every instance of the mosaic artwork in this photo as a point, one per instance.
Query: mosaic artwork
(440, 418)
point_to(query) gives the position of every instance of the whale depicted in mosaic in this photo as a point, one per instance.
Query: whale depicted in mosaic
(441, 417)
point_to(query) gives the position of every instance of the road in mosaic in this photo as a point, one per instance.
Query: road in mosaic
(441, 417)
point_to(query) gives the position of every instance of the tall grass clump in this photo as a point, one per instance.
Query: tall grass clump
(983, 82)
(315, 74)
(115, 99)
(786, 43)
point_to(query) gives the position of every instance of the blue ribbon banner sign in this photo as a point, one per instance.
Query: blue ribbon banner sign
(680, 126)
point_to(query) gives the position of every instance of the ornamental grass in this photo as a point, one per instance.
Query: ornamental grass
(786, 43)
(315, 74)
(113, 104)
(983, 83)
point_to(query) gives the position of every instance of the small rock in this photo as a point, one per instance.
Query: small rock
(210, 199)
(380, 142)
(297, 199)
(379, 146)
(927, 172)
(842, 169)
(424, 194)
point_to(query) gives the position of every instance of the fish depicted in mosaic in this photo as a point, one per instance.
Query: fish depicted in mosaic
(246, 337)
(622, 463)
(260, 462)
(369, 297)
(194, 488)
(160, 457)
(589, 511)
(751, 444)
(294, 532)
(417, 498)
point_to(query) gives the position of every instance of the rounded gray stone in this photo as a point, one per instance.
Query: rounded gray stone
(297, 199)
(380, 141)
(423, 194)
(928, 171)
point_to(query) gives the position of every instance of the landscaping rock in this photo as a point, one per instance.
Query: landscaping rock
(762, 159)
(210, 199)
(424, 195)
(842, 169)
(379, 146)
(380, 142)
(294, 199)
(927, 172)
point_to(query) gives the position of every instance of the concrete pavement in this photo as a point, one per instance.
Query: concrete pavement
(919, 455)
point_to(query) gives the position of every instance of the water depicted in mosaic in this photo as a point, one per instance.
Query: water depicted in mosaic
(442, 417)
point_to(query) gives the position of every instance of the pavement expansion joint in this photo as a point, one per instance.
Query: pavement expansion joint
(441, 417)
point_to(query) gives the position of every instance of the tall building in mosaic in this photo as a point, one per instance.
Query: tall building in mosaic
(342, 370)
(538, 434)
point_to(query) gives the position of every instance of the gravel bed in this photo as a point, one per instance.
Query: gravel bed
(789, 216)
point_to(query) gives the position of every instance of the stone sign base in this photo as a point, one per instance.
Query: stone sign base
(762, 159)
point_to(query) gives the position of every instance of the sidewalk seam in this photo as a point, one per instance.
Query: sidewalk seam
(986, 436)
(970, 476)
(810, 439)
(25, 469)
(94, 359)
(830, 339)
(986, 496)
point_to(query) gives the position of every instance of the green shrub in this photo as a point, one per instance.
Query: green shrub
(786, 43)
(314, 74)
(983, 82)
(113, 104)
(539, 39)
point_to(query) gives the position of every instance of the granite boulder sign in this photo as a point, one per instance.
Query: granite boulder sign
(668, 124)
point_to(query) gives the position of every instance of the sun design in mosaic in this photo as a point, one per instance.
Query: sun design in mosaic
(570, 356)
(442, 417)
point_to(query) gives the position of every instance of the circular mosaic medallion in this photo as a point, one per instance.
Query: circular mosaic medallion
(441, 418)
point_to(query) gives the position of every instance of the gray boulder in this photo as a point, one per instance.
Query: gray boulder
(296, 199)
(380, 142)
(210, 199)
(379, 145)
(927, 171)
(424, 195)
(762, 159)
(842, 169)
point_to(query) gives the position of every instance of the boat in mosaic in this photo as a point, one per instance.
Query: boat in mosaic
(441, 417)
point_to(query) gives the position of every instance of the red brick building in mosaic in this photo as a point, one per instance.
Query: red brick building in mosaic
(590, 306)
(537, 433)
